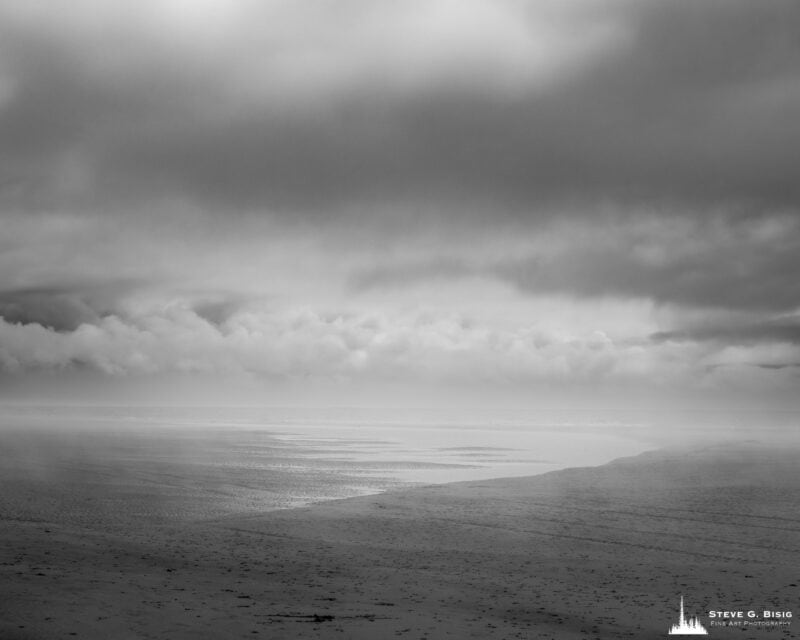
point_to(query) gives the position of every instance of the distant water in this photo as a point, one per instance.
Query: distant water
(128, 466)
(115, 465)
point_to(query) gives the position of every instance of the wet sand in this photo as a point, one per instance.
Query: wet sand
(602, 552)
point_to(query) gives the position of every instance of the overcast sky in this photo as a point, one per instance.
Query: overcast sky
(566, 199)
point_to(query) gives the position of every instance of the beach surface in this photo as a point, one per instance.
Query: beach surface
(601, 552)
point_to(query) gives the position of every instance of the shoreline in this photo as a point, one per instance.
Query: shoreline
(261, 468)
(585, 552)
(653, 454)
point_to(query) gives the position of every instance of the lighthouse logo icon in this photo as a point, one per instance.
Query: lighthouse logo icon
(687, 626)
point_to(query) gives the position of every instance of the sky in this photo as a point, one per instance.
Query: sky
(539, 202)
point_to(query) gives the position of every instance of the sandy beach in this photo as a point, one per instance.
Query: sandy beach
(603, 552)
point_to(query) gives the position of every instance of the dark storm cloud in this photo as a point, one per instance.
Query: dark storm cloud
(217, 307)
(695, 103)
(743, 265)
(619, 132)
(63, 307)
(699, 282)
(48, 307)
(51, 113)
(725, 281)
(778, 367)
(783, 330)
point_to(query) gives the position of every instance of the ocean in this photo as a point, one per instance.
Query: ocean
(128, 465)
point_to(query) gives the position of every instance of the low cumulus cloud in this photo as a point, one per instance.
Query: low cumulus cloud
(306, 343)
(303, 344)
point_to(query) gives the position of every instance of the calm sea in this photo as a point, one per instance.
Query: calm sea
(126, 466)
(114, 465)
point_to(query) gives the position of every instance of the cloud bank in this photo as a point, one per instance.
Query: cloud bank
(317, 107)
(504, 190)
(418, 349)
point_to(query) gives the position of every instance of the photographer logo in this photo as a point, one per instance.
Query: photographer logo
(687, 626)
